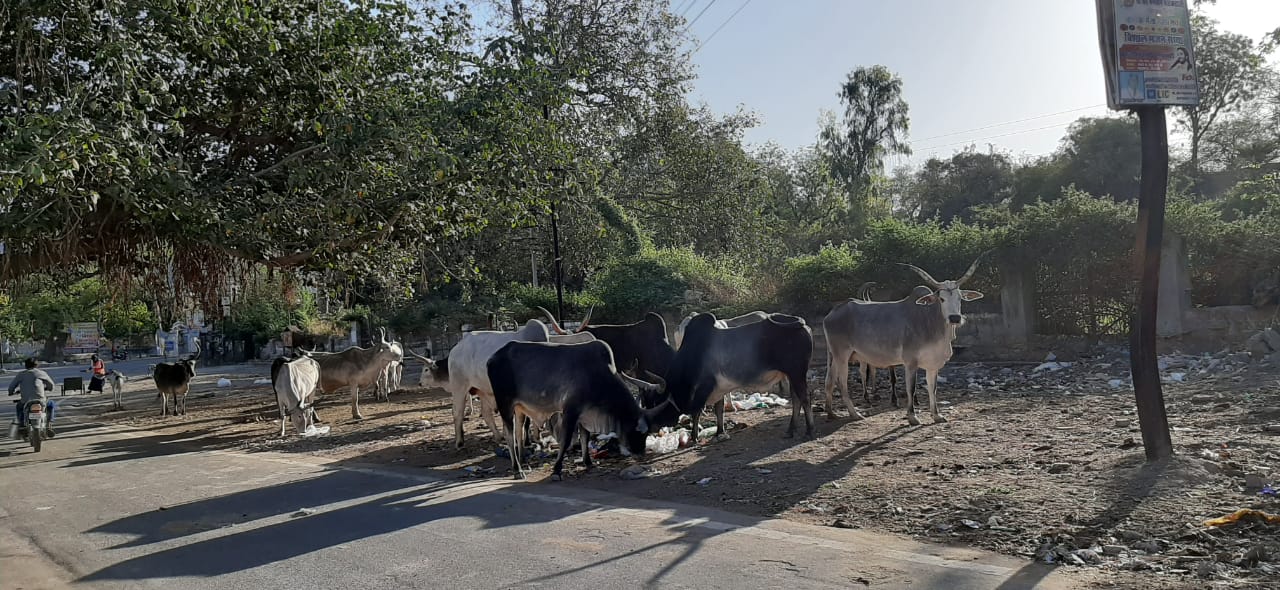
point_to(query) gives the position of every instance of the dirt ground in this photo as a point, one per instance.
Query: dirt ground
(1044, 469)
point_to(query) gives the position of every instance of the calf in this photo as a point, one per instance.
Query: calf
(578, 381)
(389, 380)
(173, 380)
(117, 380)
(712, 361)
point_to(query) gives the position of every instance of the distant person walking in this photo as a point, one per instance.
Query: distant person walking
(99, 374)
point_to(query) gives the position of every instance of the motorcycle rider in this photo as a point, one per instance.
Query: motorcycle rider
(32, 384)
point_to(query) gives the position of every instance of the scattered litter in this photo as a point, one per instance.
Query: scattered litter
(1245, 514)
(843, 524)
(763, 471)
(1267, 490)
(477, 471)
(1116, 383)
(1177, 377)
(973, 524)
(739, 401)
(313, 430)
(262, 381)
(704, 481)
(635, 472)
(304, 512)
(667, 441)
(1051, 366)
(224, 382)
(1050, 357)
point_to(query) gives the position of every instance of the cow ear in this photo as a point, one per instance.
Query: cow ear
(929, 299)
(967, 295)
(643, 426)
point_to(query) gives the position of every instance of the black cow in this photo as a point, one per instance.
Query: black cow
(579, 381)
(641, 348)
(174, 380)
(713, 361)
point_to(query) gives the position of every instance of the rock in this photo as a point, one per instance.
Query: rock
(973, 524)
(1128, 535)
(843, 524)
(1254, 555)
(994, 521)
(1203, 398)
(1149, 545)
(1272, 338)
(1253, 482)
(1113, 550)
(1257, 346)
(1059, 467)
(1123, 422)
(1271, 428)
(635, 472)
(1087, 555)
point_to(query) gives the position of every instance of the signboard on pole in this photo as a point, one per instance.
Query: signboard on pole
(83, 335)
(1147, 53)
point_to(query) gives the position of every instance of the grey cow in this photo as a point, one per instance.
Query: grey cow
(915, 332)
(355, 367)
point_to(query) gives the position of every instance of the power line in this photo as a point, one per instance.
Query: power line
(1056, 126)
(686, 4)
(722, 25)
(704, 11)
(1012, 122)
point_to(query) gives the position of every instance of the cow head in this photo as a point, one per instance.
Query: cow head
(635, 436)
(434, 373)
(190, 362)
(684, 324)
(949, 294)
(555, 326)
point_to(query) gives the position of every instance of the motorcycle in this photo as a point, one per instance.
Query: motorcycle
(119, 355)
(34, 430)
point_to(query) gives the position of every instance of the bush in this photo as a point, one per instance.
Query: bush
(529, 298)
(659, 280)
(813, 281)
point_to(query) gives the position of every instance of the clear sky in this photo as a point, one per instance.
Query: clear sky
(964, 65)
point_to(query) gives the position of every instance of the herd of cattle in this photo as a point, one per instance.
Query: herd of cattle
(627, 378)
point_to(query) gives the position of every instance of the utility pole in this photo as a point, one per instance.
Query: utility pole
(1148, 61)
(555, 238)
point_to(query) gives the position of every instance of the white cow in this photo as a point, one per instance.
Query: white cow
(295, 386)
(464, 371)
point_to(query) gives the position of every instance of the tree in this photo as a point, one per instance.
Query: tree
(874, 125)
(194, 134)
(1102, 156)
(1231, 68)
(950, 189)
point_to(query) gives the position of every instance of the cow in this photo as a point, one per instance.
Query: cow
(173, 380)
(578, 381)
(712, 361)
(463, 372)
(641, 348)
(915, 332)
(354, 367)
(866, 370)
(742, 320)
(295, 381)
(117, 380)
(389, 380)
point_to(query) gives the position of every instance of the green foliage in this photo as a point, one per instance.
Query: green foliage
(663, 279)
(874, 125)
(950, 189)
(121, 319)
(529, 297)
(811, 281)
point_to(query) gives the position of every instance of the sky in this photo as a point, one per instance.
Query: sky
(969, 69)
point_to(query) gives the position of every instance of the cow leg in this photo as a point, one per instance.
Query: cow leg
(893, 386)
(584, 437)
(355, 403)
(832, 381)
(867, 372)
(280, 406)
(508, 422)
(183, 399)
(931, 378)
(486, 412)
(800, 400)
(459, 404)
(910, 370)
(721, 434)
(570, 428)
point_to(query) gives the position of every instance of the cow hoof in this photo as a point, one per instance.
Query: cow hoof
(557, 477)
(789, 434)
(856, 415)
(939, 420)
(723, 436)
(912, 420)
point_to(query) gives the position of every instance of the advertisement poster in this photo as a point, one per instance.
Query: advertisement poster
(83, 335)
(1155, 60)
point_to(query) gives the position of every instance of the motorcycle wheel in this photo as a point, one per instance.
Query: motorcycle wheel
(33, 434)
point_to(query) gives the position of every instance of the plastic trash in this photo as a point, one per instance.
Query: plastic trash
(667, 441)
(313, 430)
(1245, 514)
(704, 481)
(1267, 490)
(304, 512)
(224, 382)
(707, 432)
(1116, 383)
(262, 382)
(1178, 377)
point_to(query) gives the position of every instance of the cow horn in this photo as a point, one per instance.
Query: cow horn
(586, 319)
(418, 356)
(659, 381)
(924, 275)
(640, 384)
(972, 269)
(864, 291)
(554, 324)
(196, 353)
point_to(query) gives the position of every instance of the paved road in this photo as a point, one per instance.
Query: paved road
(106, 507)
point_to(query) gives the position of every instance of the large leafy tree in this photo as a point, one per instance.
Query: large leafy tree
(143, 133)
(874, 125)
(950, 189)
(1231, 69)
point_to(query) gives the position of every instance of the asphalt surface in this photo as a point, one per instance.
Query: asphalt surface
(109, 507)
